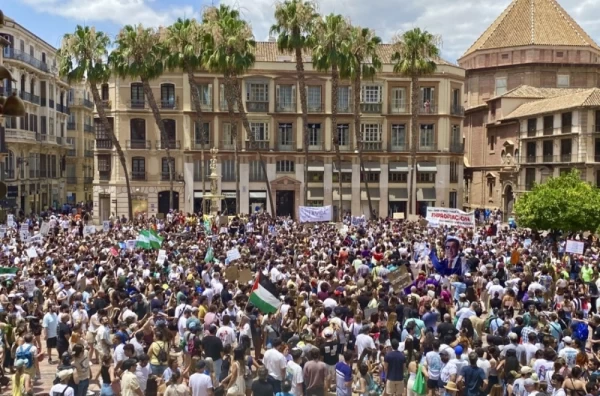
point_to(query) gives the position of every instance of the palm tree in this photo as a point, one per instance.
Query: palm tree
(330, 34)
(294, 26)
(183, 41)
(361, 60)
(82, 57)
(414, 56)
(140, 55)
(229, 49)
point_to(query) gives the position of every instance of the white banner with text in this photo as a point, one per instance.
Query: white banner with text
(311, 214)
(450, 217)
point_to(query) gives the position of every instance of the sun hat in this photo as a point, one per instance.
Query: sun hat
(451, 386)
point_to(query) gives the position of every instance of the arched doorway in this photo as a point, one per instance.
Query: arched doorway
(509, 200)
(163, 201)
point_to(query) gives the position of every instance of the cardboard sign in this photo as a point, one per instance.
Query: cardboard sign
(45, 228)
(232, 273)
(29, 286)
(2, 231)
(398, 216)
(574, 247)
(130, 244)
(233, 254)
(89, 230)
(24, 235)
(106, 226)
(245, 276)
(398, 280)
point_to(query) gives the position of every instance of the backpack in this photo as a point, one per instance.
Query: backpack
(581, 332)
(487, 323)
(25, 354)
(162, 355)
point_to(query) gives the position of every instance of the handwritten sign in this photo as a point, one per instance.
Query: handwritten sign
(574, 247)
(106, 226)
(400, 279)
(10, 220)
(130, 244)
(89, 230)
(233, 254)
(45, 228)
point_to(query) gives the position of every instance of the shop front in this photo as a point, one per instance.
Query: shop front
(228, 203)
(397, 201)
(258, 201)
(426, 197)
(364, 202)
(346, 201)
(198, 200)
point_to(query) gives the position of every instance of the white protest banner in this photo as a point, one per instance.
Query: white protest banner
(2, 231)
(32, 253)
(37, 238)
(45, 228)
(24, 235)
(106, 226)
(10, 220)
(162, 256)
(89, 230)
(357, 221)
(450, 217)
(130, 244)
(29, 286)
(233, 254)
(574, 247)
(310, 214)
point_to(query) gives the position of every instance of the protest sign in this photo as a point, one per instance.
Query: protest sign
(29, 286)
(232, 273)
(245, 276)
(2, 231)
(45, 228)
(130, 244)
(10, 220)
(357, 221)
(399, 279)
(233, 254)
(162, 256)
(32, 253)
(106, 226)
(89, 230)
(450, 217)
(311, 214)
(574, 247)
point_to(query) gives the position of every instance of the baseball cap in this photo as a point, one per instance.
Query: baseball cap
(458, 350)
(526, 370)
(567, 340)
(328, 332)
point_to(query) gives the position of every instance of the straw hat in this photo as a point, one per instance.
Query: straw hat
(451, 386)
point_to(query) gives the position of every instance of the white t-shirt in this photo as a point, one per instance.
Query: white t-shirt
(275, 362)
(142, 374)
(200, 383)
(58, 389)
(295, 376)
(226, 334)
(364, 341)
(119, 354)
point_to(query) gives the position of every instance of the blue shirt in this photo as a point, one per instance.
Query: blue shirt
(395, 361)
(343, 375)
(442, 266)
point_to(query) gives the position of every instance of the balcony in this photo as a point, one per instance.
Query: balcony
(315, 147)
(34, 173)
(71, 179)
(457, 110)
(566, 129)
(82, 102)
(26, 96)
(104, 175)
(63, 108)
(88, 153)
(138, 175)
(71, 153)
(548, 158)
(88, 180)
(88, 128)
(168, 104)
(223, 106)
(9, 174)
(201, 145)
(345, 146)
(35, 99)
(18, 55)
(104, 144)
(254, 106)
(315, 107)
(428, 148)
(398, 107)
(59, 140)
(370, 108)
(286, 145)
(458, 148)
(428, 108)
(71, 126)
(397, 148)
(227, 144)
(164, 176)
(168, 144)
(138, 145)
(20, 136)
(345, 108)
(51, 103)
(206, 105)
(137, 104)
(286, 106)
(258, 145)
(106, 104)
(43, 102)
(372, 146)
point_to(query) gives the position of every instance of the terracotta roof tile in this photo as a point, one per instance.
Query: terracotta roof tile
(571, 99)
(529, 92)
(533, 22)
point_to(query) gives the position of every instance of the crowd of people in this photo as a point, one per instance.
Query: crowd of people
(486, 310)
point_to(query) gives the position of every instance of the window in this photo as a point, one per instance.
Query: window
(453, 200)
(490, 184)
(165, 166)
(285, 166)
(531, 151)
(260, 130)
(426, 177)
(398, 177)
(104, 92)
(500, 86)
(31, 51)
(427, 96)
(228, 170)
(529, 178)
(198, 169)
(504, 56)
(256, 171)
(313, 98)
(9, 165)
(286, 97)
(372, 177)
(559, 54)
(371, 94)
(453, 172)
(137, 133)
(346, 177)
(167, 96)
(344, 99)
(492, 142)
(257, 92)
(371, 133)
(22, 45)
(567, 122)
(205, 94)
(343, 131)
(201, 134)
(562, 81)
(170, 130)
(427, 138)
(398, 100)
(104, 162)
(399, 136)
(314, 135)
(228, 140)
(455, 137)
(286, 135)
(223, 102)
(531, 127)
(137, 95)
(101, 133)
(138, 168)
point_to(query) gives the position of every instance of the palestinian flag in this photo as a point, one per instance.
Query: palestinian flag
(264, 295)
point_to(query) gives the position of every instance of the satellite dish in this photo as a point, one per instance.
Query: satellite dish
(3, 190)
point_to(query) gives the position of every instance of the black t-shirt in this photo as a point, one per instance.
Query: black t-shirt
(496, 340)
(596, 337)
(447, 329)
(262, 388)
(363, 300)
(64, 333)
(331, 352)
(213, 346)
(98, 304)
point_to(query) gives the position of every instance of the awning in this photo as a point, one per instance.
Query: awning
(426, 194)
(229, 194)
(426, 167)
(372, 167)
(398, 167)
(258, 194)
(346, 194)
(198, 194)
(398, 194)
(374, 195)
(316, 167)
(316, 194)
(346, 167)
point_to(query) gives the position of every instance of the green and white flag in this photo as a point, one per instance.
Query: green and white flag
(210, 255)
(148, 239)
(155, 240)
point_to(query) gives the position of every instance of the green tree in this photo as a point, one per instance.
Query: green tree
(360, 61)
(184, 45)
(294, 26)
(82, 57)
(330, 36)
(140, 55)
(565, 203)
(229, 49)
(415, 55)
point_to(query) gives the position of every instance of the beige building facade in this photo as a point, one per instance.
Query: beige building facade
(525, 48)
(34, 164)
(270, 92)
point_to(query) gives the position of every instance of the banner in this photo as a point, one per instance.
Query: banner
(574, 247)
(450, 217)
(310, 214)
(233, 254)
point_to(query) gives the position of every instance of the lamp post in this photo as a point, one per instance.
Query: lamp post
(214, 197)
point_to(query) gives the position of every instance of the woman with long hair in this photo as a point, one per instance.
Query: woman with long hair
(21, 381)
(249, 362)
(413, 366)
(175, 387)
(235, 382)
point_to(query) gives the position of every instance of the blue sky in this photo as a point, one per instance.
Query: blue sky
(459, 23)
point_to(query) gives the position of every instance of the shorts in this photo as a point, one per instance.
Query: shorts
(331, 371)
(51, 342)
(394, 388)
(432, 384)
(90, 338)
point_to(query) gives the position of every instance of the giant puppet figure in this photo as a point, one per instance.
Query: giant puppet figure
(453, 263)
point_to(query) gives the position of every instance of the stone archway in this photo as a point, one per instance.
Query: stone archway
(509, 199)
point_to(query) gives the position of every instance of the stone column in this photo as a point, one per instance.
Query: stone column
(356, 206)
(188, 179)
(383, 190)
(244, 187)
(328, 185)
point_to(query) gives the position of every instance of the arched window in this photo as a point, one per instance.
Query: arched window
(9, 165)
(167, 96)
(170, 138)
(137, 134)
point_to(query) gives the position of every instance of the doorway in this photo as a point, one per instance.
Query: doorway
(104, 207)
(285, 203)
(163, 201)
(509, 200)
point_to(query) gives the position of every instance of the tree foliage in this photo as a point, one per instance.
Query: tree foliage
(564, 203)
